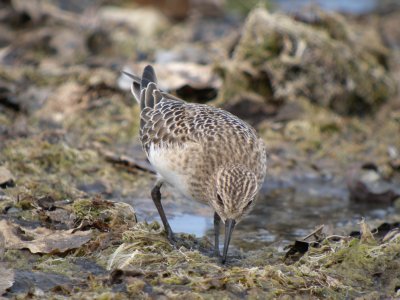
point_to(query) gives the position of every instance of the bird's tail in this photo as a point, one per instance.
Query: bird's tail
(148, 77)
(143, 88)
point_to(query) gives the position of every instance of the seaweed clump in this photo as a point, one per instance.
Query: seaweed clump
(280, 59)
(336, 268)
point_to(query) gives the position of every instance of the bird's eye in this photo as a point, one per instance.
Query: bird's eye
(248, 204)
(220, 200)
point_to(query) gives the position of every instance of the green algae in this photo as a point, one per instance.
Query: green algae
(113, 215)
(87, 209)
(57, 265)
(20, 259)
(57, 170)
(44, 169)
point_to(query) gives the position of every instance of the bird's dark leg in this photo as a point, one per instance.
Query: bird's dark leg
(217, 221)
(156, 196)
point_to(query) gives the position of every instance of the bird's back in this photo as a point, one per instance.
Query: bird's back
(188, 142)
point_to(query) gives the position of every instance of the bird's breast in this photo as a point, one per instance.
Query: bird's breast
(175, 166)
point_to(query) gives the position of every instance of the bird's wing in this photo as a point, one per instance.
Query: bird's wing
(168, 120)
(174, 122)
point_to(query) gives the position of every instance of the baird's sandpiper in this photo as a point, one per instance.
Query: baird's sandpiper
(206, 153)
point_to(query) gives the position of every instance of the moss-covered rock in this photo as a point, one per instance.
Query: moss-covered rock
(282, 59)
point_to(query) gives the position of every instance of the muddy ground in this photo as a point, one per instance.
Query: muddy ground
(76, 218)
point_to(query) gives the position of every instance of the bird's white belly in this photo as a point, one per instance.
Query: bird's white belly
(161, 159)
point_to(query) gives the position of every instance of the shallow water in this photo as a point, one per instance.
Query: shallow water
(287, 209)
(354, 7)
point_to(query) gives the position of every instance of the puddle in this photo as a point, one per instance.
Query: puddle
(287, 209)
(183, 215)
(192, 224)
(290, 210)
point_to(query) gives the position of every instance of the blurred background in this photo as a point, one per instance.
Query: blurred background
(319, 81)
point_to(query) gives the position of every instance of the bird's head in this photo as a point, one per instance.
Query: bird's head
(236, 188)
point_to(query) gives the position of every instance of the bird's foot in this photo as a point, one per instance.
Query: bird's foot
(171, 237)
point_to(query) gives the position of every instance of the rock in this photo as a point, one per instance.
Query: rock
(6, 279)
(189, 81)
(65, 101)
(37, 281)
(282, 59)
(68, 45)
(97, 187)
(99, 41)
(31, 8)
(363, 191)
(41, 239)
(251, 108)
(29, 49)
(2, 247)
(46, 203)
(6, 37)
(175, 9)
(146, 21)
(6, 178)
(182, 9)
(32, 98)
(185, 52)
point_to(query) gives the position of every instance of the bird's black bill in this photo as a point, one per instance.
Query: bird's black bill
(134, 77)
(229, 226)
